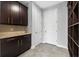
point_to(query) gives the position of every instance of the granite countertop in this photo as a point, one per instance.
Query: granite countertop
(12, 34)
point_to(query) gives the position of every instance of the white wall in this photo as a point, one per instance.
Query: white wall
(55, 25)
(30, 16)
(36, 25)
(50, 26)
(62, 25)
(52, 20)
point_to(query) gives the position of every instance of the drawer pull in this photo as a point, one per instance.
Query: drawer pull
(21, 42)
(18, 42)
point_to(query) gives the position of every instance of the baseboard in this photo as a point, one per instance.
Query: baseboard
(61, 46)
(43, 42)
(32, 47)
(56, 45)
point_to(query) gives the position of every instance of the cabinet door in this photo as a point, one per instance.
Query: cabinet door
(15, 13)
(5, 12)
(12, 47)
(3, 48)
(25, 42)
(0, 12)
(28, 39)
(23, 15)
(9, 47)
(78, 51)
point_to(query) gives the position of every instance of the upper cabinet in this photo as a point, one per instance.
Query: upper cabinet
(0, 10)
(5, 13)
(13, 13)
(23, 15)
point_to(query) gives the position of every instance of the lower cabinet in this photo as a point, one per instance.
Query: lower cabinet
(24, 43)
(11, 47)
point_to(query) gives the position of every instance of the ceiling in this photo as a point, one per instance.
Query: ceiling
(24, 3)
(46, 4)
(42, 4)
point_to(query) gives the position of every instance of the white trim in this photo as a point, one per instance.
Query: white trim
(51, 43)
(32, 47)
(57, 45)
(61, 46)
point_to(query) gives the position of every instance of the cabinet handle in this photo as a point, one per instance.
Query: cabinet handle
(12, 21)
(20, 22)
(21, 42)
(8, 19)
(18, 42)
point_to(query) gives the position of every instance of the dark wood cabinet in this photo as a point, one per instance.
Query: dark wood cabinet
(0, 12)
(13, 13)
(73, 28)
(11, 47)
(5, 13)
(24, 43)
(23, 15)
(14, 46)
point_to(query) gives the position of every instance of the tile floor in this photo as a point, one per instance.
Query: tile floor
(46, 50)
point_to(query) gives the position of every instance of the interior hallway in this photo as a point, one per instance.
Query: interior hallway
(46, 50)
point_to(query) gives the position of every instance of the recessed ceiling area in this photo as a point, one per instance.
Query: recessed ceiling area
(46, 4)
